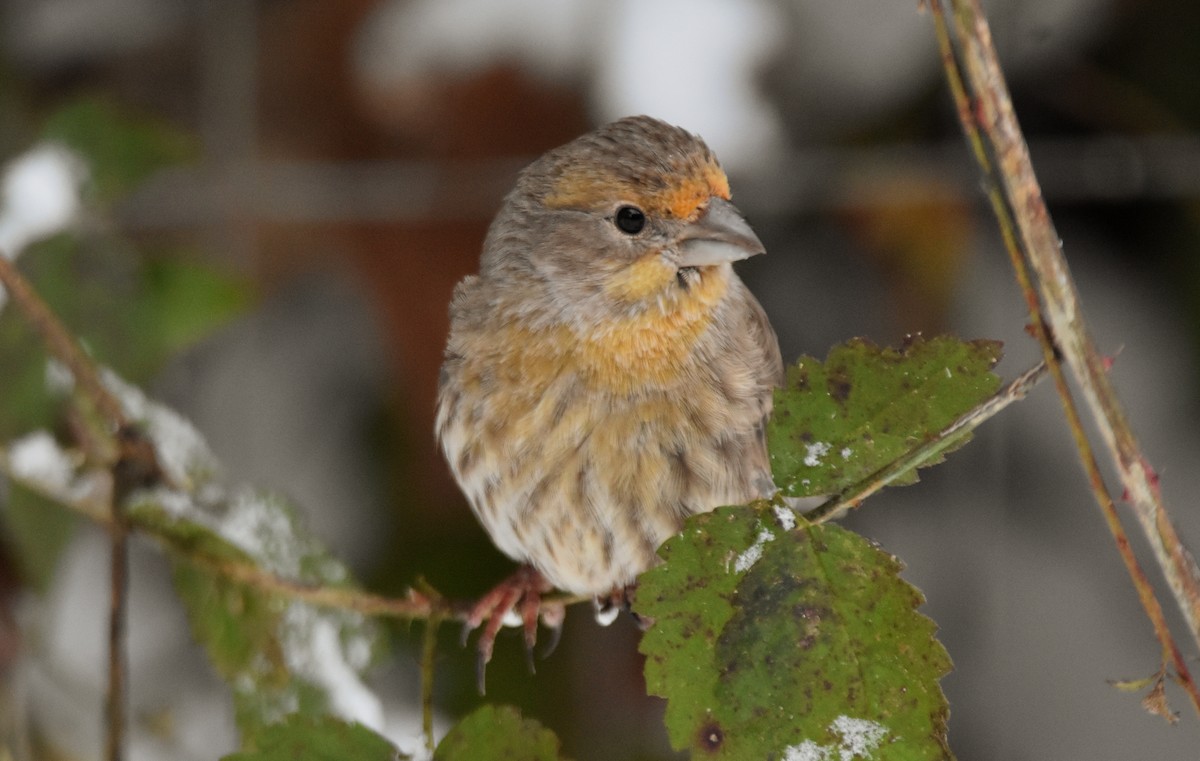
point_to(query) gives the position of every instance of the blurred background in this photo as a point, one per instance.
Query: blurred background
(278, 197)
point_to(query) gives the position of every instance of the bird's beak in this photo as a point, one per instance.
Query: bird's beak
(719, 235)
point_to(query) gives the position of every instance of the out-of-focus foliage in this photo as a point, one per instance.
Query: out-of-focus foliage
(120, 149)
(318, 739)
(132, 305)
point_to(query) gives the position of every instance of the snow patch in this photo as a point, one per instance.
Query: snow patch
(814, 452)
(858, 739)
(859, 736)
(746, 560)
(39, 195)
(326, 648)
(846, 452)
(313, 649)
(38, 460)
(807, 751)
(785, 516)
(182, 452)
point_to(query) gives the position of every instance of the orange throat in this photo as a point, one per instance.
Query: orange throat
(645, 346)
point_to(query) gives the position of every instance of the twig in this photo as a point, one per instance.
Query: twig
(414, 605)
(60, 343)
(136, 467)
(424, 603)
(990, 124)
(119, 586)
(968, 421)
(65, 348)
(428, 654)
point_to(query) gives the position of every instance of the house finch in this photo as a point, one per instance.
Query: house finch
(607, 374)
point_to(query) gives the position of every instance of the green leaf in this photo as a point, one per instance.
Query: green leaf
(791, 643)
(132, 310)
(182, 301)
(26, 404)
(128, 310)
(121, 149)
(303, 738)
(836, 423)
(498, 733)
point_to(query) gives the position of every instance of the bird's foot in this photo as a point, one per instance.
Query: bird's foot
(516, 601)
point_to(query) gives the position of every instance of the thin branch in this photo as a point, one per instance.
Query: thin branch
(852, 497)
(415, 604)
(117, 657)
(131, 447)
(424, 603)
(428, 655)
(988, 119)
(60, 343)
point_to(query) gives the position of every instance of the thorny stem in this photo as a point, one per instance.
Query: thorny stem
(852, 497)
(1041, 270)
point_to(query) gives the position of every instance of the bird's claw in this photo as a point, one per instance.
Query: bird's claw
(519, 594)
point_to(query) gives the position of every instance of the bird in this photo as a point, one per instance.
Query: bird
(607, 374)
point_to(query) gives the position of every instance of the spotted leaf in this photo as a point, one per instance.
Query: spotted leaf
(839, 421)
(777, 641)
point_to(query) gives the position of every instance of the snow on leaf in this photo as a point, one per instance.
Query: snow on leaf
(182, 452)
(38, 458)
(748, 557)
(816, 648)
(280, 656)
(39, 463)
(814, 452)
(785, 515)
(856, 740)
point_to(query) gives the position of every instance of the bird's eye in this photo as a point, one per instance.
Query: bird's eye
(630, 219)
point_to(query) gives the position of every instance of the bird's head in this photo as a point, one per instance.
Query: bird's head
(630, 217)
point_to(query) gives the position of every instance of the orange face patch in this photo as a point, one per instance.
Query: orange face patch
(683, 200)
(591, 188)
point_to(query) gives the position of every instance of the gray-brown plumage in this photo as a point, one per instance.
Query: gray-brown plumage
(607, 373)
